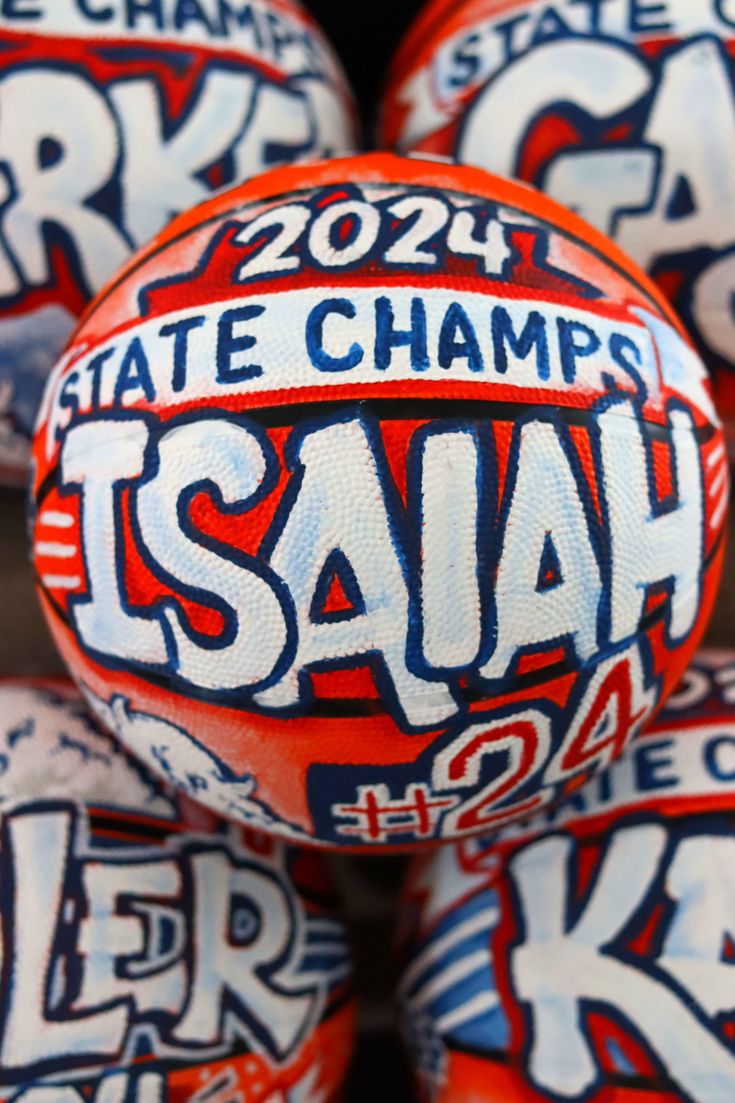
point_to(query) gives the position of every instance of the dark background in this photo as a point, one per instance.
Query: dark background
(365, 34)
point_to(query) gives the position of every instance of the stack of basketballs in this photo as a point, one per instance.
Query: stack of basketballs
(377, 503)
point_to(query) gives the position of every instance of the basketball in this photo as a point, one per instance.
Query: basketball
(113, 118)
(378, 501)
(588, 954)
(153, 952)
(624, 112)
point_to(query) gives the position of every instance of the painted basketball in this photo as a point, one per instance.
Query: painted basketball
(150, 951)
(588, 954)
(116, 116)
(386, 492)
(625, 112)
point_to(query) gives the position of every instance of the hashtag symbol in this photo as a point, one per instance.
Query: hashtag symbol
(376, 816)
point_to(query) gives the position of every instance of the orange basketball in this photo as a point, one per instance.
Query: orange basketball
(115, 116)
(153, 952)
(625, 112)
(587, 954)
(378, 502)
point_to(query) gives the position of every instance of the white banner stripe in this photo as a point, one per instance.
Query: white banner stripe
(55, 550)
(54, 519)
(473, 1009)
(61, 581)
(484, 920)
(278, 39)
(451, 975)
(329, 338)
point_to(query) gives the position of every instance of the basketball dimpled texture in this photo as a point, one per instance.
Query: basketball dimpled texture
(156, 953)
(624, 112)
(113, 118)
(587, 954)
(378, 502)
